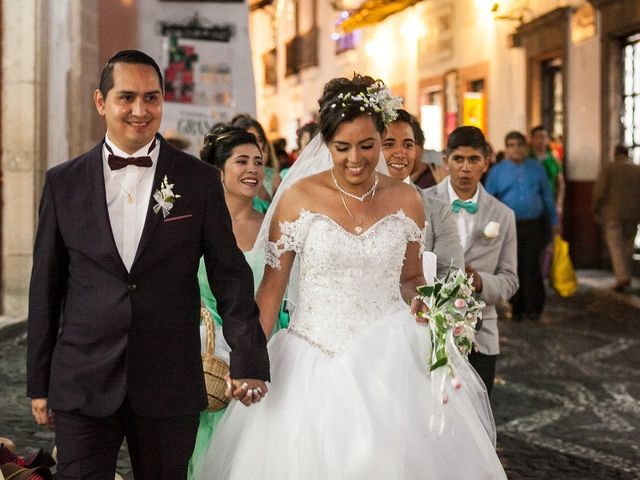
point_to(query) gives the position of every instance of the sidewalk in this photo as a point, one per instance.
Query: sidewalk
(12, 328)
(599, 282)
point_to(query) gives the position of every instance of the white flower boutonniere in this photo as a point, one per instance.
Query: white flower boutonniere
(492, 230)
(164, 197)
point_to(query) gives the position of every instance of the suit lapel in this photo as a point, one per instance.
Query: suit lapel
(95, 169)
(442, 191)
(166, 164)
(483, 216)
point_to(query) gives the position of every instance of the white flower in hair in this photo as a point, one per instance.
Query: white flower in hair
(377, 98)
(386, 103)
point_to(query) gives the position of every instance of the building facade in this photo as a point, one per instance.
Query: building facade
(571, 65)
(52, 54)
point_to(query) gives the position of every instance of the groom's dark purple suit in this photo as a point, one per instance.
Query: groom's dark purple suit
(99, 336)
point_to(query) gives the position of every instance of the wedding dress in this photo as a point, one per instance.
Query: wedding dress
(350, 395)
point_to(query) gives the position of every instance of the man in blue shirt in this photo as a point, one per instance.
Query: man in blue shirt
(521, 183)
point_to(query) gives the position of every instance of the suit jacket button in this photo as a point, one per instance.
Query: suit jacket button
(131, 287)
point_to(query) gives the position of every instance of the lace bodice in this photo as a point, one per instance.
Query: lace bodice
(346, 281)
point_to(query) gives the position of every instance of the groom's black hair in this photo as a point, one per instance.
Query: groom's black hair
(126, 56)
(467, 136)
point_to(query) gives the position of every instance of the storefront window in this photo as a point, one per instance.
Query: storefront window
(431, 118)
(552, 98)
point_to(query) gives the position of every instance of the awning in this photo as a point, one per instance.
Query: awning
(374, 11)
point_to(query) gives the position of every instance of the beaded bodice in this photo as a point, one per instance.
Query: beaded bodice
(346, 281)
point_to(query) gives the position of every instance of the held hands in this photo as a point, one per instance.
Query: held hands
(41, 413)
(419, 309)
(246, 390)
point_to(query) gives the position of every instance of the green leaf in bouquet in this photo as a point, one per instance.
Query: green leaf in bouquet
(465, 343)
(425, 290)
(441, 362)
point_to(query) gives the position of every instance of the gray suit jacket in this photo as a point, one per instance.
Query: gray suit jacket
(441, 235)
(495, 260)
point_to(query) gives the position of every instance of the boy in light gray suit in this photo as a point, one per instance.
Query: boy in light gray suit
(487, 229)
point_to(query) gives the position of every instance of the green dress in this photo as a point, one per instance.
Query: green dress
(209, 420)
(552, 167)
(260, 205)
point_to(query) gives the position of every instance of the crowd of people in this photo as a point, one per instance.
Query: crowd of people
(308, 263)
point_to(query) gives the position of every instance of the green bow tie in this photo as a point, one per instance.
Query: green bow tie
(469, 206)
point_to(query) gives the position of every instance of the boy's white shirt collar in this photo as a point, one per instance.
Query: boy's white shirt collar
(453, 196)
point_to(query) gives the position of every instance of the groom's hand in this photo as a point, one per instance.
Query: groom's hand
(41, 413)
(246, 390)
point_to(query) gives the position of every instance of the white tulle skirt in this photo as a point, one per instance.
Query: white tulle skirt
(370, 412)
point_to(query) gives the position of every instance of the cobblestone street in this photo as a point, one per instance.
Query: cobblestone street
(566, 403)
(568, 400)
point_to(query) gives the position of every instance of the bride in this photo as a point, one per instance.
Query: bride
(351, 397)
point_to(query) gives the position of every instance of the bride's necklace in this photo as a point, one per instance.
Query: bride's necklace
(358, 228)
(360, 198)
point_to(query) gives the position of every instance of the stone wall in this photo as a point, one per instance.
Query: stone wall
(23, 143)
(49, 70)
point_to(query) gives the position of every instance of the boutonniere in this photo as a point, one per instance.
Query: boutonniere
(492, 230)
(164, 197)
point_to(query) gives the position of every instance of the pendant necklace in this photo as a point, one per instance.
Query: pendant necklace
(130, 198)
(358, 228)
(360, 198)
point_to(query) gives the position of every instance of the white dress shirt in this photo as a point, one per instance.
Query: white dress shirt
(128, 191)
(464, 219)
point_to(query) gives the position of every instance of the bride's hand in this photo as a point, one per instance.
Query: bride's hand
(419, 309)
(245, 390)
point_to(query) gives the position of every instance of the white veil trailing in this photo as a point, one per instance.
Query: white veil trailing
(315, 158)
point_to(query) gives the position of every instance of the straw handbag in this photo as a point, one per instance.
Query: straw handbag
(215, 369)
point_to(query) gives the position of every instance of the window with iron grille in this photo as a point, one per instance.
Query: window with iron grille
(631, 96)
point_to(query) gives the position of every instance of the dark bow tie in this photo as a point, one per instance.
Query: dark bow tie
(116, 163)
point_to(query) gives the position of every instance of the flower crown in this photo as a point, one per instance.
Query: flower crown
(377, 99)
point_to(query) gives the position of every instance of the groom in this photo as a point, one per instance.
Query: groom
(113, 330)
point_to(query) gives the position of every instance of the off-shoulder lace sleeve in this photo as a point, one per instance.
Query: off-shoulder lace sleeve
(413, 232)
(291, 240)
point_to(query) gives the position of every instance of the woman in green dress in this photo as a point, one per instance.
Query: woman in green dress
(237, 155)
(271, 164)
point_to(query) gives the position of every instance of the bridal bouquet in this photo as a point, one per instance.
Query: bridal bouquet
(453, 314)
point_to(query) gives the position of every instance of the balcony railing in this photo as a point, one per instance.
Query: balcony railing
(302, 52)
